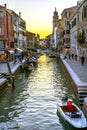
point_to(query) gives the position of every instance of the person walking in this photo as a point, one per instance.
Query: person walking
(76, 57)
(72, 56)
(82, 60)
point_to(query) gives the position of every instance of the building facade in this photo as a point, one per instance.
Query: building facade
(79, 26)
(66, 17)
(21, 32)
(30, 37)
(12, 31)
(82, 25)
(6, 29)
(73, 35)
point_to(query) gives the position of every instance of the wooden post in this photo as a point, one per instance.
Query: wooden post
(11, 77)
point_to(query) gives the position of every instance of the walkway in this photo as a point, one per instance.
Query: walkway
(78, 74)
(4, 68)
(81, 71)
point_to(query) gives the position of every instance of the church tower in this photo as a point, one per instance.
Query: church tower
(55, 19)
(55, 29)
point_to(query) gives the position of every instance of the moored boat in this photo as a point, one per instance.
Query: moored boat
(32, 60)
(72, 114)
(52, 56)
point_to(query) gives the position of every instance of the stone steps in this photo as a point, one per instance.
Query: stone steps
(82, 93)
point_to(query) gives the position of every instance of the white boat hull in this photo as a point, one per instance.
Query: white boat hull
(79, 122)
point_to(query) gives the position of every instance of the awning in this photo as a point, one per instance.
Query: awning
(11, 51)
(2, 52)
(16, 54)
(20, 50)
(32, 49)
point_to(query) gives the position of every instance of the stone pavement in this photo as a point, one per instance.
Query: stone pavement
(4, 68)
(80, 70)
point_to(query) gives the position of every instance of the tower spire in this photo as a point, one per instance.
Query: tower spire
(55, 9)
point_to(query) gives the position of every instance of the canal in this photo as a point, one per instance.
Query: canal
(32, 105)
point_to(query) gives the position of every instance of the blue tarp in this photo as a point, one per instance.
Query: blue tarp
(33, 60)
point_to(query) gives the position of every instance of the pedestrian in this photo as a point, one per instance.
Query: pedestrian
(20, 58)
(82, 60)
(69, 55)
(76, 57)
(72, 56)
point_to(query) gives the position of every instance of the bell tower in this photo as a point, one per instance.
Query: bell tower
(55, 29)
(55, 19)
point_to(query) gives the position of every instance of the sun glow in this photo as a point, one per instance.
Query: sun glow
(38, 14)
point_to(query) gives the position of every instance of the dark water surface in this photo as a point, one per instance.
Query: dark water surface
(33, 103)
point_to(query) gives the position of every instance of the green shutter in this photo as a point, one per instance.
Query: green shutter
(84, 11)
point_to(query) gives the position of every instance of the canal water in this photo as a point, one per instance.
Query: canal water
(32, 105)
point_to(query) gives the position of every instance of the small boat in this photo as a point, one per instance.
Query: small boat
(30, 67)
(72, 114)
(32, 60)
(52, 55)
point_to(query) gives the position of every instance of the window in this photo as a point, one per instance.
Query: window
(67, 40)
(84, 12)
(67, 22)
(69, 26)
(67, 14)
(67, 32)
(1, 14)
(74, 22)
(1, 30)
(63, 32)
(12, 44)
(63, 40)
(2, 44)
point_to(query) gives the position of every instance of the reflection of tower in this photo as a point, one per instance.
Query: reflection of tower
(55, 28)
(55, 37)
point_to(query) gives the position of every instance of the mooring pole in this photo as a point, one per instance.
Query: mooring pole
(10, 73)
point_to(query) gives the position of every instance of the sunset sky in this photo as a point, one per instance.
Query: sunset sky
(38, 13)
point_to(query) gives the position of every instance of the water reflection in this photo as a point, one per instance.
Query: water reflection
(33, 103)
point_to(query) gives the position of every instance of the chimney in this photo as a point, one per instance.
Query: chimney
(19, 14)
(5, 6)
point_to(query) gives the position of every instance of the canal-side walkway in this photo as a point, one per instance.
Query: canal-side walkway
(4, 70)
(78, 74)
(78, 69)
